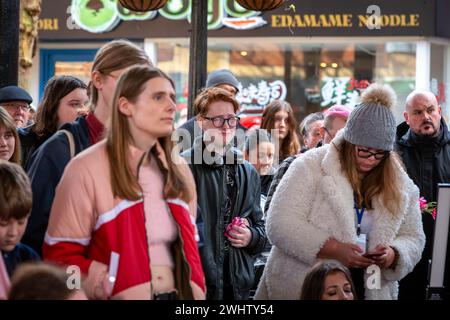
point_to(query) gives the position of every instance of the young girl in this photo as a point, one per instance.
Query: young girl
(328, 280)
(123, 210)
(64, 99)
(279, 117)
(9, 140)
(259, 151)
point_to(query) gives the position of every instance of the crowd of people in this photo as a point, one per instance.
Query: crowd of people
(101, 185)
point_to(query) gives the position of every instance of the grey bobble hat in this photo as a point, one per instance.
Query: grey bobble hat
(372, 124)
(222, 76)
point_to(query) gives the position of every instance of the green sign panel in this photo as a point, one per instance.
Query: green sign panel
(99, 16)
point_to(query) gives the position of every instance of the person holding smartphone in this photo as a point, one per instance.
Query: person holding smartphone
(351, 201)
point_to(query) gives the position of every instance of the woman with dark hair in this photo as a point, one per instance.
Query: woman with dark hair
(64, 100)
(9, 139)
(125, 209)
(278, 118)
(328, 280)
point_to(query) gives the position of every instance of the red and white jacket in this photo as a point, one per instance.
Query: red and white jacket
(89, 228)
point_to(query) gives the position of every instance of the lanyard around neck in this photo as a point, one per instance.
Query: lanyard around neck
(359, 215)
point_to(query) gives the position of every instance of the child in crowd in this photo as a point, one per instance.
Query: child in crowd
(15, 206)
(43, 281)
(9, 139)
(259, 151)
(328, 280)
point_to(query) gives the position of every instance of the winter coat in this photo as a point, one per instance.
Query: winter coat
(313, 203)
(427, 162)
(29, 143)
(45, 169)
(88, 223)
(210, 185)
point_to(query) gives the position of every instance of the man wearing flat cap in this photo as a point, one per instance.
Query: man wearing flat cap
(17, 102)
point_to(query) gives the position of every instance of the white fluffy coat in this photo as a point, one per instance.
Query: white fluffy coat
(313, 203)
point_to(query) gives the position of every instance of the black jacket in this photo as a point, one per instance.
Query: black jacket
(29, 143)
(46, 167)
(210, 183)
(427, 161)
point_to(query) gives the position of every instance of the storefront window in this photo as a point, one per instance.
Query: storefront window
(439, 84)
(81, 70)
(312, 77)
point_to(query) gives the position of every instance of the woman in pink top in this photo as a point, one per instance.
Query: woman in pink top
(124, 211)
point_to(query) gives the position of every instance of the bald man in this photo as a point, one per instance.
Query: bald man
(423, 141)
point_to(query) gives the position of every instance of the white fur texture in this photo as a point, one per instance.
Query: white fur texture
(379, 94)
(314, 202)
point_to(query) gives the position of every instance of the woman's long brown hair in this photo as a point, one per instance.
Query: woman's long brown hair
(124, 179)
(290, 145)
(380, 181)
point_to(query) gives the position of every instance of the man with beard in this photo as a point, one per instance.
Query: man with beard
(425, 150)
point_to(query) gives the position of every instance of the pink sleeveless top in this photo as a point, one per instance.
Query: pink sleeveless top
(161, 227)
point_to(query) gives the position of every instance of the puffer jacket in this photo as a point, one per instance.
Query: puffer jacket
(211, 186)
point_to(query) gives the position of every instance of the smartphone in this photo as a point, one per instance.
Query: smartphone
(372, 255)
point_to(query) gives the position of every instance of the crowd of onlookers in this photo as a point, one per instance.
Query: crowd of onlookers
(119, 205)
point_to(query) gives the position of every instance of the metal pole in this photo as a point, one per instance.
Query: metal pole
(9, 42)
(198, 50)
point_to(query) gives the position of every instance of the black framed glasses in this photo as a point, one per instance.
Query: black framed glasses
(366, 154)
(218, 122)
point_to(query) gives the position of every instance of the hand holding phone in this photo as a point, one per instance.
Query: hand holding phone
(372, 255)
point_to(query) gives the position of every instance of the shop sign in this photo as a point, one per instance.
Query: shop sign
(256, 97)
(341, 90)
(98, 16)
(345, 21)
(102, 19)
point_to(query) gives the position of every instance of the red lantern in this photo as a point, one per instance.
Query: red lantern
(260, 5)
(143, 5)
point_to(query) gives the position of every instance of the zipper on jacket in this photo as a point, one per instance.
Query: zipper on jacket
(221, 258)
(235, 214)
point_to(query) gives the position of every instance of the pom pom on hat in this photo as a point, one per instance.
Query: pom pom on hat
(379, 94)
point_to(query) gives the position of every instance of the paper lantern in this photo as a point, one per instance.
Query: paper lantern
(260, 5)
(143, 5)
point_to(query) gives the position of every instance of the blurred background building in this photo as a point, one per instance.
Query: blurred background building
(312, 53)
